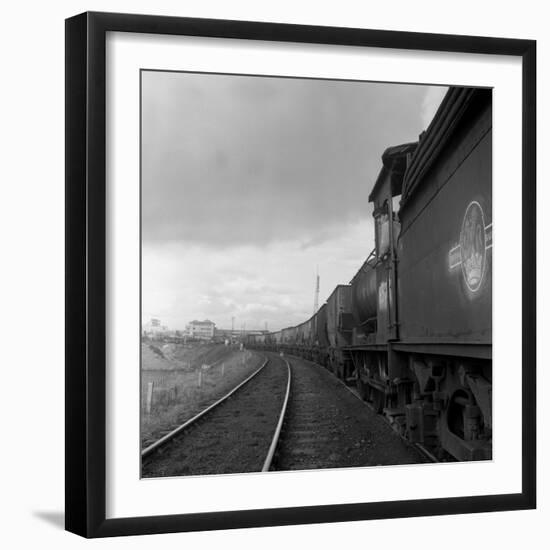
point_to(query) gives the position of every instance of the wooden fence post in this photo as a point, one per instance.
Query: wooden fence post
(149, 397)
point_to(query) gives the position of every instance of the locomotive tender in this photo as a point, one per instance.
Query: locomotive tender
(413, 328)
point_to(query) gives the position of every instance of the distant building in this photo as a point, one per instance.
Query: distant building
(202, 330)
(154, 328)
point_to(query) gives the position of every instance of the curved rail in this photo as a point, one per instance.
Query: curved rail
(425, 452)
(275, 440)
(154, 446)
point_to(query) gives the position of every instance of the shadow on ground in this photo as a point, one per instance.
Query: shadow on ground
(57, 519)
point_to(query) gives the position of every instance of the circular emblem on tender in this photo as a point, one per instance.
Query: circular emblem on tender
(472, 246)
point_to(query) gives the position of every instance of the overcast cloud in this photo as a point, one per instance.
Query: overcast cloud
(248, 183)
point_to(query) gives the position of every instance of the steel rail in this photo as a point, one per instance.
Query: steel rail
(426, 453)
(275, 440)
(418, 446)
(154, 446)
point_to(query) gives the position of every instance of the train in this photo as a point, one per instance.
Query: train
(412, 330)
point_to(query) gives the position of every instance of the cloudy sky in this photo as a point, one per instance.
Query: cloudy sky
(250, 183)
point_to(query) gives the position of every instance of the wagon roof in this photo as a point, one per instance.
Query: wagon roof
(337, 289)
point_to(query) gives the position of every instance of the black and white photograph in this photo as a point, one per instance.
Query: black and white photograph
(316, 273)
(251, 296)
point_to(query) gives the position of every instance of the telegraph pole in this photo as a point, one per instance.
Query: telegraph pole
(232, 328)
(316, 299)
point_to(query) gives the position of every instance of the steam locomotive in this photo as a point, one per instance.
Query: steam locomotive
(413, 329)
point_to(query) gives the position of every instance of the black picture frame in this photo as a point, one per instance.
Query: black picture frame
(86, 273)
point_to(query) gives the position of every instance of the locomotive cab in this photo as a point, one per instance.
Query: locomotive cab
(374, 285)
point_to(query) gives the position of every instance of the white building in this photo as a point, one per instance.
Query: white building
(203, 330)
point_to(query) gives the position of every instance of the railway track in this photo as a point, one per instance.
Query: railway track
(289, 414)
(238, 433)
(328, 426)
(428, 455)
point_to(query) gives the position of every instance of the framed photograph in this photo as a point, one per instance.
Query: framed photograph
(300, 274)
